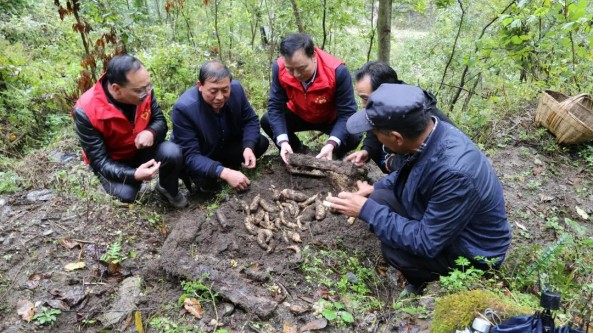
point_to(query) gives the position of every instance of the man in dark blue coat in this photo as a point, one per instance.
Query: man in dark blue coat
(217, 130)
(443, 202)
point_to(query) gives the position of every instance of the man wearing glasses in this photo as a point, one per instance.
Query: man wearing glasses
(122, 131)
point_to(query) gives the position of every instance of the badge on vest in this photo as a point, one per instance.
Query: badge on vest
(320, 100)
(145, 115)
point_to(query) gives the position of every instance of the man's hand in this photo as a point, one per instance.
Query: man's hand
(359, 158)
(347, 203)
(147, 170)
(326, 152)
(364, 188)
(235, 179)
(249, 158)
(144, 139)
(285, 149)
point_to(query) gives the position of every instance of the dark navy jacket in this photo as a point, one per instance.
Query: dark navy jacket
(200, 132)
(451, 200)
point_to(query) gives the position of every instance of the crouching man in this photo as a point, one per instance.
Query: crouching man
(122, 131)
(443, 202)
(217, 130)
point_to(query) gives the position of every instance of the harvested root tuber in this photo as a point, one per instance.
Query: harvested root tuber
(267, 206)
(351, 220)
(295, 248)
(263, 237)
(309, 200)
(258, 217)
(221, 219)
(289, 194)
(251, 228)
(266, 223)
(320, 210)
(254, 203)
(294, 236)
(245, 207)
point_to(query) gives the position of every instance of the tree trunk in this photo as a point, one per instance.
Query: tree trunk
(216, 30)
(323, 24)
(373, 30)
(384, 28)
(297, 16)
(157, 5)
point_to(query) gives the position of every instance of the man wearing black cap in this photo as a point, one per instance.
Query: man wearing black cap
(444, 201)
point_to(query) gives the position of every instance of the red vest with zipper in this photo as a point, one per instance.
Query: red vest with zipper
(118, 133)
(317, 105)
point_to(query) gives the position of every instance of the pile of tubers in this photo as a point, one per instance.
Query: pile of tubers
(283, 218)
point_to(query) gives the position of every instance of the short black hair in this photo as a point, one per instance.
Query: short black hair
(379, 73)
(214, 70)
(410, 132)
(294, 42)
(119, 67)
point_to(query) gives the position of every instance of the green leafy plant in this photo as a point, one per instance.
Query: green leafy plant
(334, 312)
(461, 278)
(46, 316)
(114, 254)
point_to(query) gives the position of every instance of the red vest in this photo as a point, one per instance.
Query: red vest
(317, 105)
(118, 134)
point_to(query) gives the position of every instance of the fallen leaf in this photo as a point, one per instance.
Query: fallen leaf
(545, 198)
(25, 309)
(316, 324)
(35, 279)
(58, 304)
(74, 266)
(70, 244)
(289, 327)
(297, 308)
(234, 263)
(520, 226)
(138, 322)
(193, 306)
(582, 213)
(537, 171)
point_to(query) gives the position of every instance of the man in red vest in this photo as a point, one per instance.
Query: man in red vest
(310, 90)
(122, 130)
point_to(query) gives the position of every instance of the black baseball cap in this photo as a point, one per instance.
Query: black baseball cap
(391, 106)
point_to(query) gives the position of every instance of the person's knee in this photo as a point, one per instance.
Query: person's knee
(169, 151)
(262, 145)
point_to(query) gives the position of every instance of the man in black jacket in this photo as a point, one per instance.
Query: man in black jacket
(368, 78)
(122, 130)
(217, 130)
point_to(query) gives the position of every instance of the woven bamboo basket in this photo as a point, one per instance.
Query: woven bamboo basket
(548, 105)
(574, 121)
(570, 119)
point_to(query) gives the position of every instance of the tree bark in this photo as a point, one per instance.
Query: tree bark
(323, 24)
(384, 27)
(297, 16)
(373, 30)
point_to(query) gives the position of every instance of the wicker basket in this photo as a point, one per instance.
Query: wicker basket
(569, 118)
(548, 105)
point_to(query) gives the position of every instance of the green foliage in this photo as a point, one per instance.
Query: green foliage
(344, 276)
(114, 254)
(334, 312)
(456, 311)
(9, 182)
(587, 155)
(167, 325)
(198, 289)
(462, 278)
(46, 316)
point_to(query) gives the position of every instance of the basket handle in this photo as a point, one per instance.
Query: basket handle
(574, 99)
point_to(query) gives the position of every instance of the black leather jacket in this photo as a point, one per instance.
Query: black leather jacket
(92, 143)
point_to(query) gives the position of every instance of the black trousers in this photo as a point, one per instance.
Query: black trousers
(296, 124)
(171, 158)
(230, 156)
(416, 269)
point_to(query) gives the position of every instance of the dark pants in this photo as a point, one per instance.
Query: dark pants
(171, 158)
(295, 124)
(230, 156)
(417, 270)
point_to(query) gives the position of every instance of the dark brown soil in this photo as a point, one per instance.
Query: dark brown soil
(40, 236)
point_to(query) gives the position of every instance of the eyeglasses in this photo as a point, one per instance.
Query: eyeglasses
(142, 92)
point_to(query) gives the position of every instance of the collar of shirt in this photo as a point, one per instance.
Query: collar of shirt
(307, 84)
(414, 156)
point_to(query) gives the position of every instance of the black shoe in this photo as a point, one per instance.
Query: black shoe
(178, 201)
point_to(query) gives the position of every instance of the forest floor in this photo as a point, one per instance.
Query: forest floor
(241, 287)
